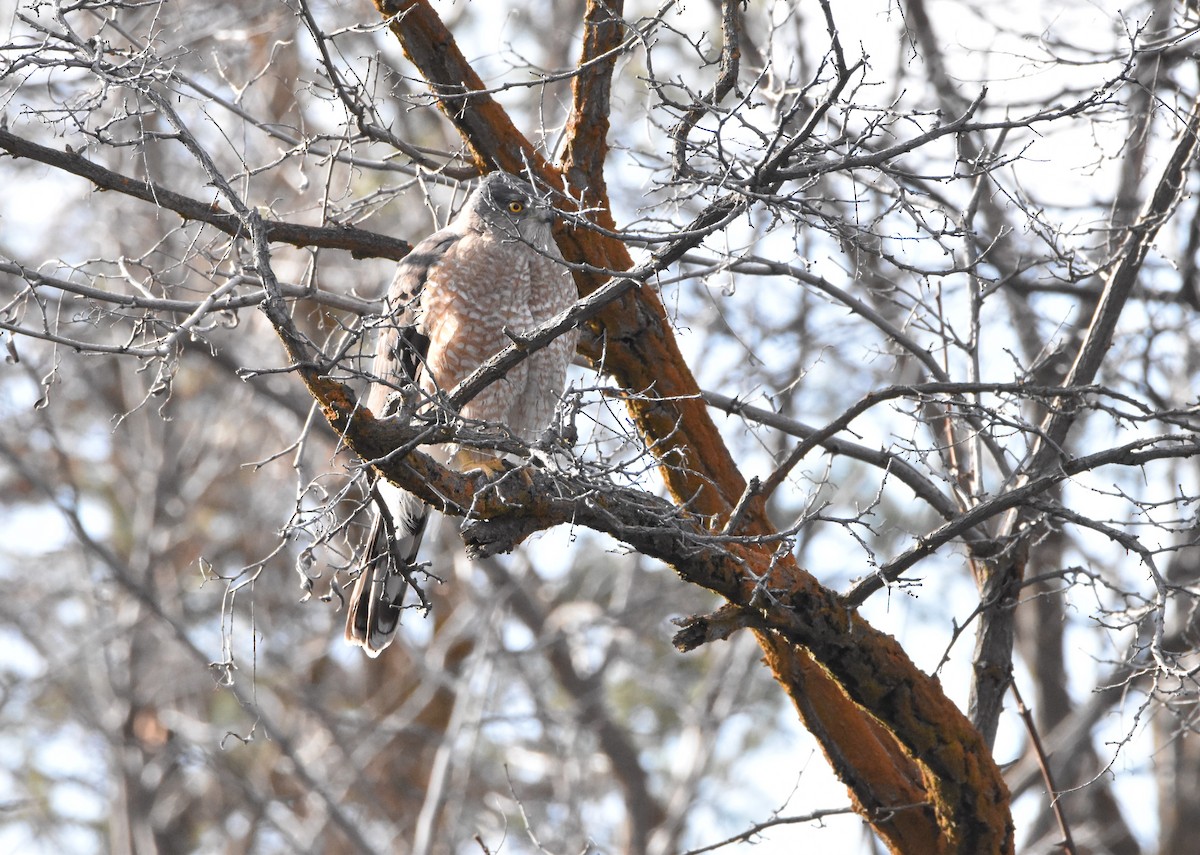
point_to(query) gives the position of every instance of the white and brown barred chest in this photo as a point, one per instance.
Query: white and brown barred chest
(487, 283)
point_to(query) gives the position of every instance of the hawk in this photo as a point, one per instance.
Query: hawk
(494, 267)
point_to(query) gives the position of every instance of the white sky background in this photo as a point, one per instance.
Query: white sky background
(1062, 167)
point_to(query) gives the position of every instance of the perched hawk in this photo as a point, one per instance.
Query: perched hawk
(494, 266)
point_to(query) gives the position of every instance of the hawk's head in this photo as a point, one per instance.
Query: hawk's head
(505, 202)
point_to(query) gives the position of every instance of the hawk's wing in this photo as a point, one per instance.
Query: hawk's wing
(403, 346)
(399, 519)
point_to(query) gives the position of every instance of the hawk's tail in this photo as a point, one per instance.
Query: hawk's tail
(382, 582)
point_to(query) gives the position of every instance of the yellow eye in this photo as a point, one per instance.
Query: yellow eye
(516, 206)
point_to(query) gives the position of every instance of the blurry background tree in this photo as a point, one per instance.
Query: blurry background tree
(934, 266)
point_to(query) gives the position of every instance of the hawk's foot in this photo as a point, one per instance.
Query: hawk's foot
(472, 460)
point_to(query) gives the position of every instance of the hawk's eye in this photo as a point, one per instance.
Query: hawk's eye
(516, 206)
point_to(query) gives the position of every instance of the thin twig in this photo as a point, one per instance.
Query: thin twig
(1067, 843)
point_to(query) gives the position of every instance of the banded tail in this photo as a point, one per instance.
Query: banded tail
(392, 546)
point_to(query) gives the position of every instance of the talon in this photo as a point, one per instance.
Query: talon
(470, 460)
